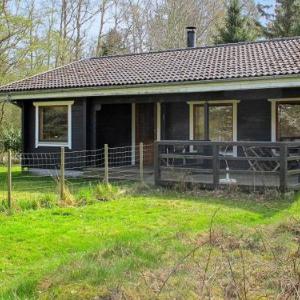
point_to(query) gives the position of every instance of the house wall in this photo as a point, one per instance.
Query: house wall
(113, 125)
(254, 120)
(175, 120)
(254, 115)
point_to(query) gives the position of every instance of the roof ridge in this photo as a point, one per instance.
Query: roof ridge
(199, 47)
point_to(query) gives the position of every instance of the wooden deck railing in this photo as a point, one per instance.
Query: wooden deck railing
(213, 164)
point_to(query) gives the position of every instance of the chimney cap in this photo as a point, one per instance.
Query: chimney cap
(191, 28)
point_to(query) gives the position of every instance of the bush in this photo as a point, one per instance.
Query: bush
(12, 139)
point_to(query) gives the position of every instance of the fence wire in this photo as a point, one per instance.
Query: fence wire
(40, 173)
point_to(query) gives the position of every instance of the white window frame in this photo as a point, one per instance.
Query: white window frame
(274, 114)
(38, 143)
(234, 118)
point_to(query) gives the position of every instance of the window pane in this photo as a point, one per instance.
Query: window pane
(199, 122)
(220, 123)
(289, 121)
(53, 123)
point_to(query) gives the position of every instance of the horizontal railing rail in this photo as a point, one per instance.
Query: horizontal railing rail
(268, 164)
(237, 143)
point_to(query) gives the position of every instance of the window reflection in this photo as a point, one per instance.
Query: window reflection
(220, 122)
(288, 120)
(53, 123)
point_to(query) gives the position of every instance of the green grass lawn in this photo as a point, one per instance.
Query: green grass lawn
(120, 246)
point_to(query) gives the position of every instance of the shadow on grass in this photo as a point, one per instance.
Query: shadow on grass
(266, 204)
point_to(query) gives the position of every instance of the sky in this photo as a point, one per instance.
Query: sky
(266, 2)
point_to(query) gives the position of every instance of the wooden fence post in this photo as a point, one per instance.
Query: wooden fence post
(283, 167)
(215, 165)
(106, 163)
(62, 173)
(156, 164)
(142, 162)
(9, 180)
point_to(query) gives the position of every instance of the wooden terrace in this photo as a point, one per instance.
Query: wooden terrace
(216, 164)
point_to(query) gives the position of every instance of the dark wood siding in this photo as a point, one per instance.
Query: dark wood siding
(254, 120)
(175, 117)
(113, 125)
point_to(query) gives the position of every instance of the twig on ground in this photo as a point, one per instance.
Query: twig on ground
(191, 253)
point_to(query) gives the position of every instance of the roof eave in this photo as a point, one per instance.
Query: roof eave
(287, 81)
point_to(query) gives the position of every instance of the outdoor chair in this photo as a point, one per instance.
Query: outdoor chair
(261, 165)
(175, 150)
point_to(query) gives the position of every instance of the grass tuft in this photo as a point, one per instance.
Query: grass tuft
(48, 201)
(85, 195)
(107, 192)
(68, 198)
(26, 204)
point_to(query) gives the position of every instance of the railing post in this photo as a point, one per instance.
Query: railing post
(9, 180)
(106, 163)
(142, 162)
(156, 164)
(215, 165)
(62, 173)
(283, 167)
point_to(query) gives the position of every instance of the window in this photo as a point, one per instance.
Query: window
(288, 121)
(53, 123)
(220, 122)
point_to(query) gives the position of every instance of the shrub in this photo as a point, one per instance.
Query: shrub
(12, 139)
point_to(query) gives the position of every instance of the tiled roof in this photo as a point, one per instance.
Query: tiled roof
(231, 61)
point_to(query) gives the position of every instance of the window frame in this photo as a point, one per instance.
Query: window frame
(234, 104)
(274, 115)
(220, 103)
(39, 143)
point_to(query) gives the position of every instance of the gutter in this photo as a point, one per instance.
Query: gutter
(158, 88)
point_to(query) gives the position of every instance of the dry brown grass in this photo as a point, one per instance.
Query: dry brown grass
(260, 263)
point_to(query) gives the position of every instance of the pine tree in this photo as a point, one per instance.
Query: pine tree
(285, 21)
(237, 27)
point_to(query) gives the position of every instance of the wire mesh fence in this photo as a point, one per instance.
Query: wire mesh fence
(33, 174)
